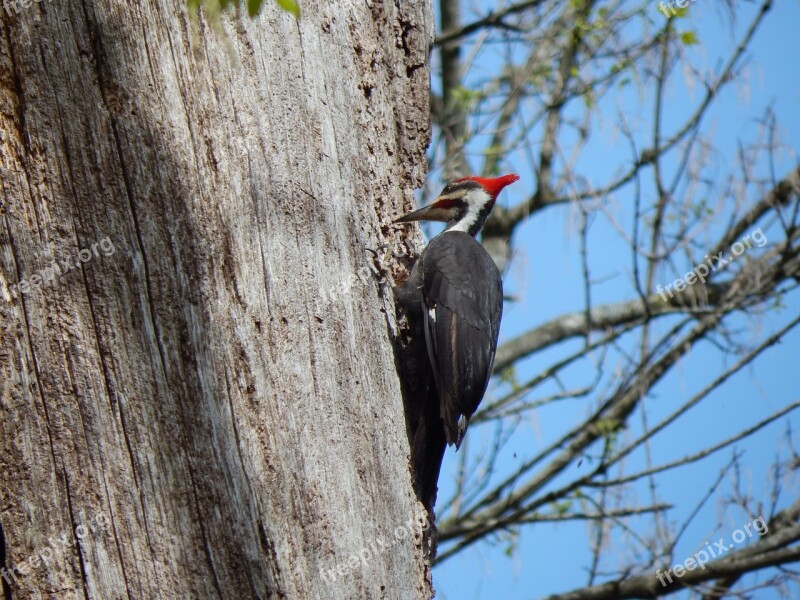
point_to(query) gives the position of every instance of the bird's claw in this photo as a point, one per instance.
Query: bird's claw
(375, 251)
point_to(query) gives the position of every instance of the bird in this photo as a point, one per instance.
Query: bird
(453, 300)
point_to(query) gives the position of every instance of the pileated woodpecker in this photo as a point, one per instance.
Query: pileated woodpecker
(454, 298)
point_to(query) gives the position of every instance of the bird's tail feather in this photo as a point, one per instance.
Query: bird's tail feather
(427, 454)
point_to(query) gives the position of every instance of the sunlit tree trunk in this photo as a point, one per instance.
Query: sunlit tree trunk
(182, 412)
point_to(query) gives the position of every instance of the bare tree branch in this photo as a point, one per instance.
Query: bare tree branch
(541, 107)
(454, 33)
(775, 548)
(603, 317)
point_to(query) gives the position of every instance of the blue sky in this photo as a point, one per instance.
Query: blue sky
(547, 277)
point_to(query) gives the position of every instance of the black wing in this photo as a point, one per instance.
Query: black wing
(462, 296)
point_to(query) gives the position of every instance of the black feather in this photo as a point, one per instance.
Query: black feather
(462, 295)
(454, 302)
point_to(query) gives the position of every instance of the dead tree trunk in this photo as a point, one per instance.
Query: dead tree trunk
(199, 397)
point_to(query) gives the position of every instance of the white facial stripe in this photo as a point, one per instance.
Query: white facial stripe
(465, 223)
(476, 199)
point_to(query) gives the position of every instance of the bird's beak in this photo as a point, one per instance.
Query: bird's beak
(432, 212)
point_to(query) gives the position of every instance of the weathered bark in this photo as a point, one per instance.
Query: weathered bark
(191, 393)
